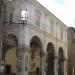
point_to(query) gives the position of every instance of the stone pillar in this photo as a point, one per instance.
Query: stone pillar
(65, 67)
(23, 59)
(43, 63)
(56, 65)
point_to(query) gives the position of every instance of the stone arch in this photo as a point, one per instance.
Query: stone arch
(10, 54)
(50, 59)
(60, 61)
(37, 40)
(11, 38)
(50, 46)
(35, 54)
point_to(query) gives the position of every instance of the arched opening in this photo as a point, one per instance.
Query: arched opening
(10, 55)
(35, 58)
(60, 62)
(50, 59)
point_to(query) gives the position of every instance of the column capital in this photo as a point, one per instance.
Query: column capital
(23, 48)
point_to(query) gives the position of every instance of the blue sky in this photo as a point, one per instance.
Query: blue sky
(63, 9)
(60, 1)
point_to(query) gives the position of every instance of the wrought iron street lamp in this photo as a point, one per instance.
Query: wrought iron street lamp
(24, 16)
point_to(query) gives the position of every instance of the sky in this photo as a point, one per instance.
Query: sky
(63, 9)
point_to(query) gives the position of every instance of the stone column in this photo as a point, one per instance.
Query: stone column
(65, 66)
(43, 63)
(23, 57)
(56, 65)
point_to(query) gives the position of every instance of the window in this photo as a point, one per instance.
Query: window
(51, 27)
(37, 17)
(37, 20)
(58, 32)
(11, 17)
(23, 14)
(62, 34)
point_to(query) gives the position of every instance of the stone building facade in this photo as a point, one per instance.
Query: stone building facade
(34, 40)
(2, 10)
(71, 51)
